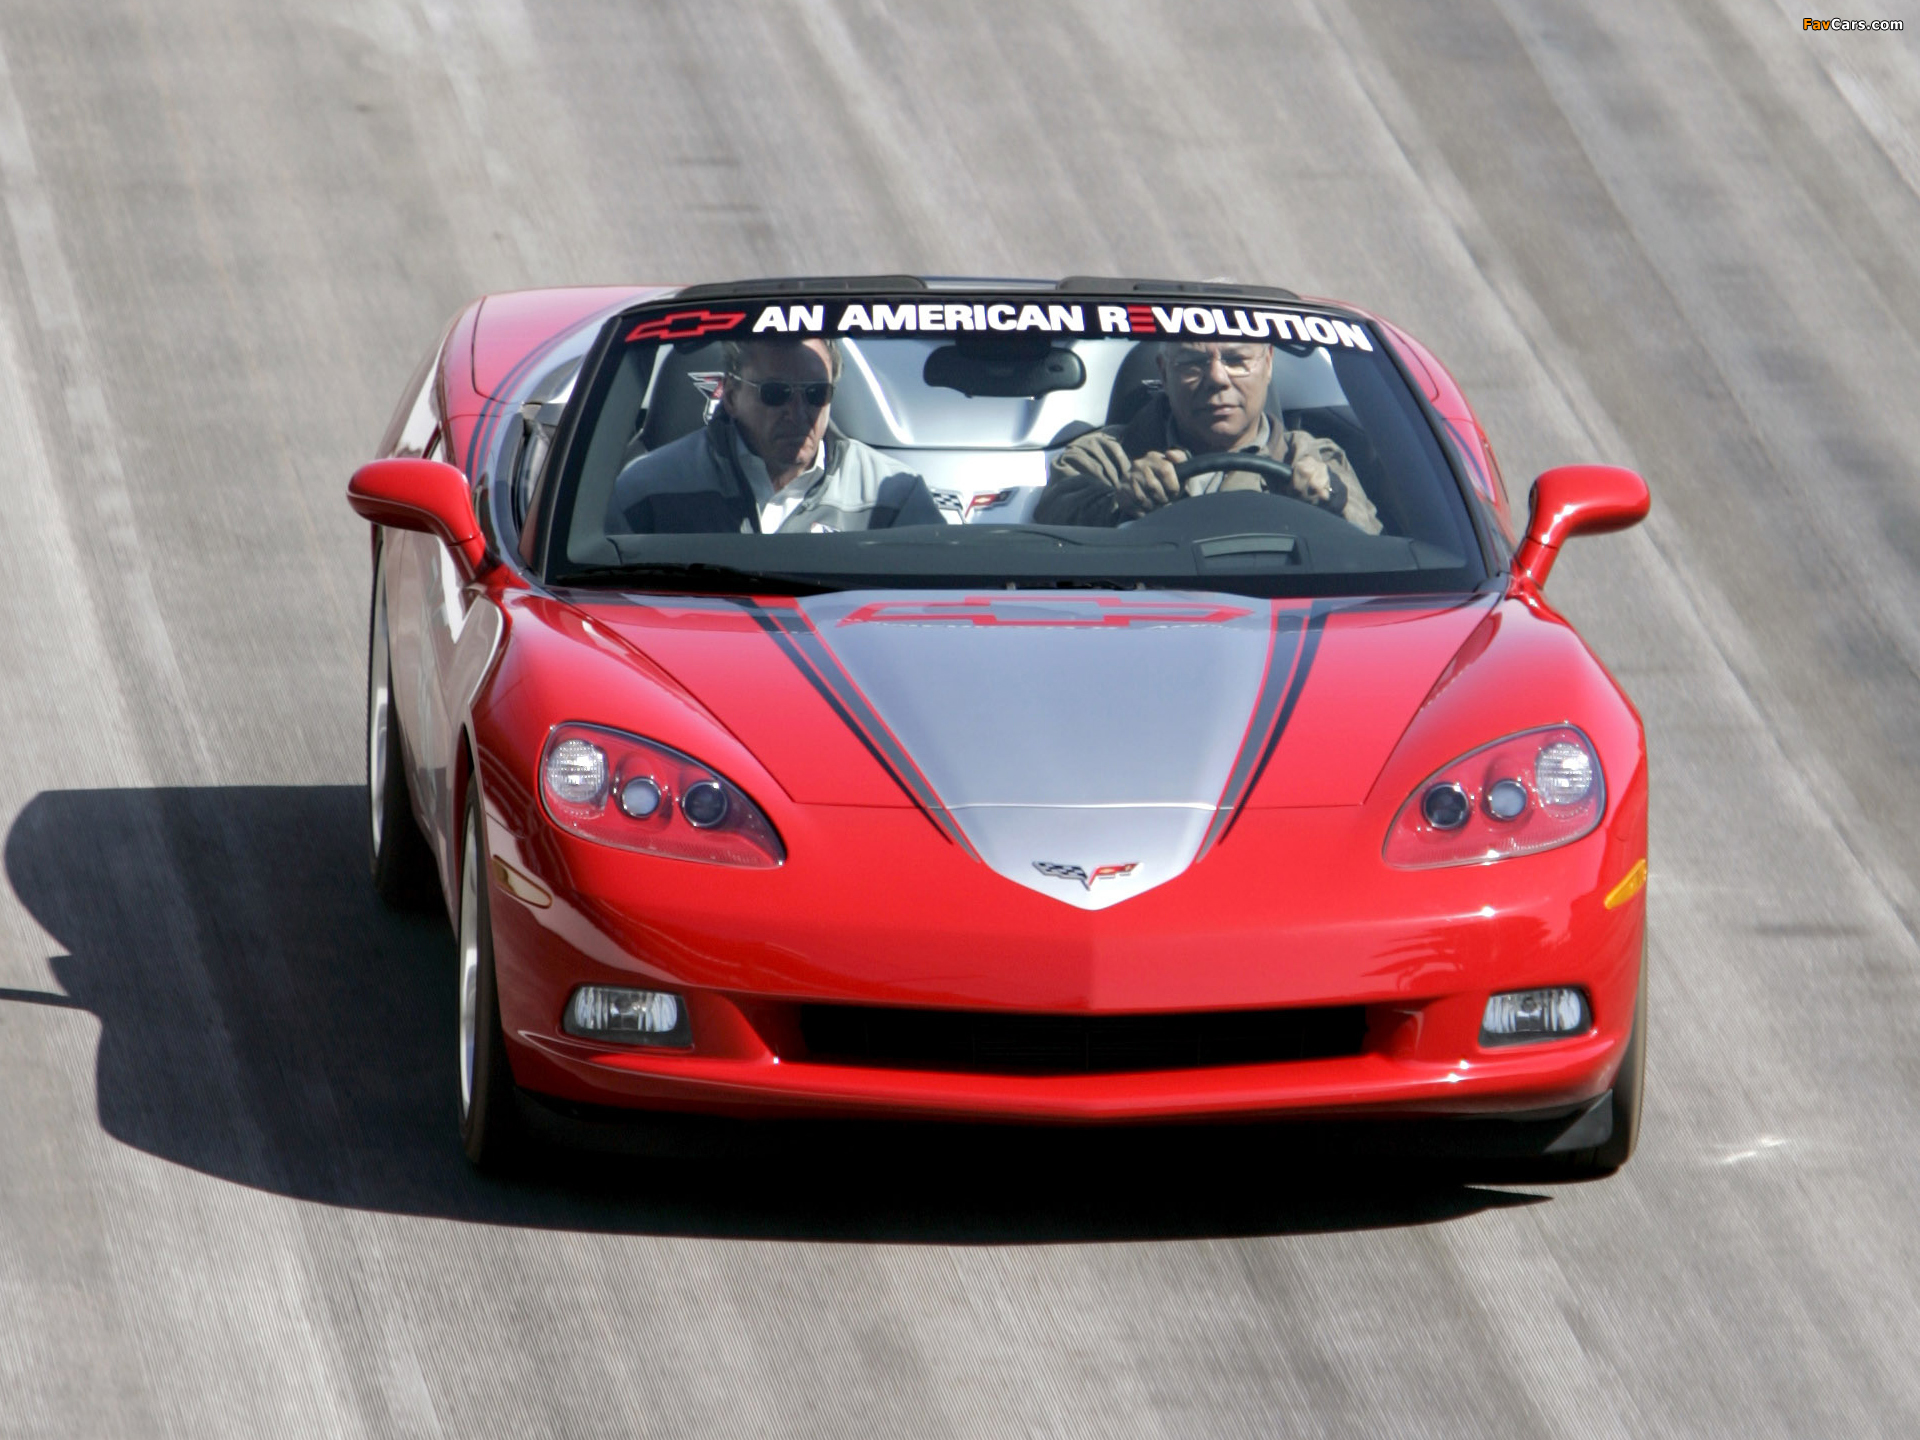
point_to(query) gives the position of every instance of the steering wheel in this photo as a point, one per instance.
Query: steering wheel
(1269, 470)
(1265, 466)
(1255, 511)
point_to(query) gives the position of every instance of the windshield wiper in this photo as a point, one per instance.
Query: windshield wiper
(699, 575)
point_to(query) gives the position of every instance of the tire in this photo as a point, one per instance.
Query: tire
(1629, 1086)
(398, 859)
(490, 1126)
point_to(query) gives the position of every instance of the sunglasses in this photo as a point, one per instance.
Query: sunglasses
(776, 393)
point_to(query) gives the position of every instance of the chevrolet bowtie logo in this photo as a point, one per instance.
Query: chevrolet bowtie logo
(1056, 871)
(683, 324)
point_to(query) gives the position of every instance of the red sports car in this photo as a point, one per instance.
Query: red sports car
(1097, 701)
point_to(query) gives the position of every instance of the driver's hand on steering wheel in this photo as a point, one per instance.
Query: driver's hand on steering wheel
(1138, 486)
(1312, 480)
(1151, 483)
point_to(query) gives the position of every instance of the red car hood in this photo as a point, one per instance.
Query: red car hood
(1088, 745)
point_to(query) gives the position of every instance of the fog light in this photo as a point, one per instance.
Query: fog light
(1522, 1015)
(633, 1017)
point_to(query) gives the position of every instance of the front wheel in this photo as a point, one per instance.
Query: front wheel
(490, 1129)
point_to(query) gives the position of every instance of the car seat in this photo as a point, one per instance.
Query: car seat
(676, 402)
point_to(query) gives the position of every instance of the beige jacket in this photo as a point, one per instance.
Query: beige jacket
(1083, 485)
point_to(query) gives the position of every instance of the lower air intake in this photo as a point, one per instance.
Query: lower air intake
(995, 1043)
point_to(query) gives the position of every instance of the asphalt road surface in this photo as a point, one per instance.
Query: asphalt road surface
(1672, 235)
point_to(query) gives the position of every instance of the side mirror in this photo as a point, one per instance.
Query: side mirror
(426, 495)
(1577, 500)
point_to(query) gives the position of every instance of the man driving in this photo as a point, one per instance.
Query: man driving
(767, 460)
(1212, 400)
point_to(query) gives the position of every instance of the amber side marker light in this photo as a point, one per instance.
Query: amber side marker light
(522, 887)
(1631, 885)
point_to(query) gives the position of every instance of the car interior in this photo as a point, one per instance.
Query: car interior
(663, 393)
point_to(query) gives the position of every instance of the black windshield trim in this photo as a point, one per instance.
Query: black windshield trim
(718, 303)
(1450, 451)
(563, 462)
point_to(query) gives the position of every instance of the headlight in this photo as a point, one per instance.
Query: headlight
(576, 772)
(617, 789)
(1526, 793)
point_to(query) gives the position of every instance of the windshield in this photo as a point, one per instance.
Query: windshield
(1017, 440)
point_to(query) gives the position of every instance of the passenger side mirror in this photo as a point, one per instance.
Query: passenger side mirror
(425, 495)
(1577, 500)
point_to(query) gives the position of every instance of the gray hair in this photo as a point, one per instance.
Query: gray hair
(734, 352)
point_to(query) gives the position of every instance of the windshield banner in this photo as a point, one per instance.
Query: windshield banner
(1022, 316)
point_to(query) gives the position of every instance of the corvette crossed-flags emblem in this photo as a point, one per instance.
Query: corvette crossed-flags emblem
(1053, 870)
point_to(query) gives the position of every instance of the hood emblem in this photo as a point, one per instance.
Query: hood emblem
(1053, 870)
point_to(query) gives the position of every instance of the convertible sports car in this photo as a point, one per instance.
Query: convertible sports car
(1085, 702)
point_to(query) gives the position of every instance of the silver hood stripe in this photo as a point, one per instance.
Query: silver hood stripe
(801, 644)
(1279, 693)
(1044, 733)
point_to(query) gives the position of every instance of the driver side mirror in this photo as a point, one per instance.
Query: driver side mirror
(426, 495)
(1577, 500)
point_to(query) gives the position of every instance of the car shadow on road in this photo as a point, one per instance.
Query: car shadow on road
(263, 1019)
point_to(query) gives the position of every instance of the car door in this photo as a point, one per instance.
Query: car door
(453, 653)
(406, 560)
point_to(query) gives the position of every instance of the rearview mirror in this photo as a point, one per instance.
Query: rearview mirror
(1009, 367)
(1577, 500)
(425, 495)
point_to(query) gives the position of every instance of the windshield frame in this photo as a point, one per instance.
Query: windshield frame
(682, 315)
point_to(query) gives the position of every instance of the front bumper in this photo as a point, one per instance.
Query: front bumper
(1293, 910)
(1555, 1074)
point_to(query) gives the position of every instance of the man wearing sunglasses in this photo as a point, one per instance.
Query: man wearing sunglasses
(768, 460)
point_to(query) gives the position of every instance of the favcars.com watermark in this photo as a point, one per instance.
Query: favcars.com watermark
(1809, 23)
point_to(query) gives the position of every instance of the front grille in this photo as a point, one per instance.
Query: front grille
(996, 1043)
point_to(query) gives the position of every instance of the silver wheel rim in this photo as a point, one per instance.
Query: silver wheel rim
(379, 685)
(469, 966)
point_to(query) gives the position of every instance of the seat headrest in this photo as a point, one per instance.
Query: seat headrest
(678, 405)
